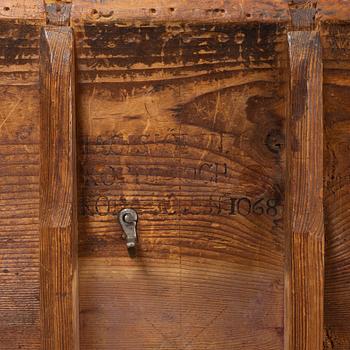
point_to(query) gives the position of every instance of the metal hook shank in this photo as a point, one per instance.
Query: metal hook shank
(128, 221)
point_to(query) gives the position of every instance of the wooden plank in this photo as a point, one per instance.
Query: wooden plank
(336, 53)
(19, 179)
(190, 11)
(58, 215)
(180, 123)
(22, 10)
(335, 11)
(304, 197)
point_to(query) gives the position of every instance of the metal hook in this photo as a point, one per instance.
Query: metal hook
(128, 221)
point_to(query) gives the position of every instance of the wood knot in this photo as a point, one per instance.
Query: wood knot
(274, 141)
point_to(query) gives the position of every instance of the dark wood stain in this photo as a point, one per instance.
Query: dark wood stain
(149, 44)
(18, 44)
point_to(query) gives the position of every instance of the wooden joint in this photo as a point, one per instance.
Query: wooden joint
(58, 13)
(303, 14)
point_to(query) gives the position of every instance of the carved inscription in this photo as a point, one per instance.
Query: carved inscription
(338, 175)
(225, 205)
(143, 144)
(152, 145)
(103, 174)
(337, 182)
(108, 175)
(245, 206)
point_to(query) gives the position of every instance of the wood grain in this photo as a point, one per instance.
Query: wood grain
(19, 179)
(334, 11)
(336, 48)
(304, 197)
(178, 11)
(175, 121)
(29, 10)
(58, 13)
(302, 14)
(181, 111)
(58, 197)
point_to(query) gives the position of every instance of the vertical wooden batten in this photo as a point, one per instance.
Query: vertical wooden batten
(58, 197)
(304, 196)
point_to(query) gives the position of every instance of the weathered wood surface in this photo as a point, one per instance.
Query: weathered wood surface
(27, 10)
(174, 104)
(332, 11)
(304, 195)
(183, 123)
(58, 197)
(190, 11)
(19, 170)
(336, 47)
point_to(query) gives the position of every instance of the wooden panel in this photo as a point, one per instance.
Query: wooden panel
(185, 124)
(19, 177)
(335, 10)
(19, 53)
(22, 10)
(337, 184)
(304, 198)
(209, 11)
(58, 212)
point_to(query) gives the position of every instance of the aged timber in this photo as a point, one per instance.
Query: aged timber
(183, 122)
(304, 211)
(336, 53)
(58, 212)
(182, 114)
(19, 174)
